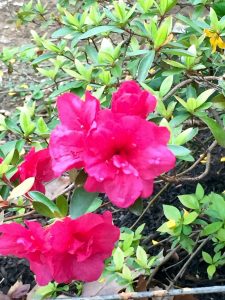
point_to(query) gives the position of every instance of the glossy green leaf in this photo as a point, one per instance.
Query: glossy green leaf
(190, 218)
(145, 66)
(207, 258)
(212, 228)
(137, 207)
(41, 198)
(81, 202)
(171, 212)
(189, 201)
(62, 204)
(118, 259)
(217, 131)
(43, 209)
(98, 30)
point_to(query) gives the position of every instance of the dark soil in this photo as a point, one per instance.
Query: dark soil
(13, 269)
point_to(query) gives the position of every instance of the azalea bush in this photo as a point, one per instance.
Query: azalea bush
(126, 100)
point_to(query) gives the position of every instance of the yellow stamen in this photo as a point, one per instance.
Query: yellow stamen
(186, 213)
(171, 224)
(154, 242)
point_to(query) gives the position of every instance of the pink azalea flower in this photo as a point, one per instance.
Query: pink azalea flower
(36, 164)
(79, 253)
(67, 139)
(65, 250)
(27, 243)
(130, 99)
(124, 154)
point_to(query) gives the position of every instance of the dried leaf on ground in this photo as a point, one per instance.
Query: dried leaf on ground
(4, 297)
(18, 290)
(101, 288)
(22, 188)
(31, 294)
(56, 187)
(142, 286)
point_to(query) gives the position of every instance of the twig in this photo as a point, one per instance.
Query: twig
(183, 269)
(189, 80)
(68, 189)
(150, 203)
(166, 258)
(159, 293)
(176, 179)
(126, 43)
(19, 216)
(177, 87)
(216, 116)
(209, 150)
(205, 78)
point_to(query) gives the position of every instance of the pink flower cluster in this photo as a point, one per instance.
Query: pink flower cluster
(36, 164)
(77, 254)
(118, 148)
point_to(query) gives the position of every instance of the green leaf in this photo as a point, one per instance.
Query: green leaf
(81, 202)
(207, 258)
(96, 31)
(171, 212)
(42, 128)
(41, 198)
(139, 230)
(137, 207)
(126, 273)
(43, 57)
(7, 160)
(189, 22)
(66, 87)
(62, 205)
(187, 230)
(145, 66)
(137, 52)
(95, 205)
(211, 270)
(217, 206)
(189, 201)
(142, 258)
(174, 64)
(217, 130)
(62, 32)
(26, 124)
(9, 146)
(213, 19)
(190, 218)
(178, 52)
(219, 8)
(127, 240)
(166, 85)
(187, 243)
(186, 136)
(118, 259)
(43, 209)
(179, 151)
(199, 192)
(212, 228)
(92, 53)
(203, 97)
(221, 235)
(163, 32)
(219, 101)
